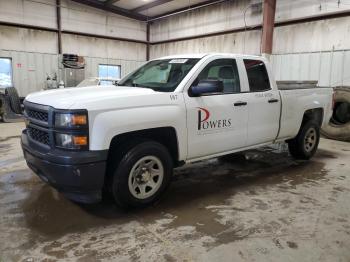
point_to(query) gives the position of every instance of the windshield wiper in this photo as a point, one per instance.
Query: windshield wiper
(137, 85)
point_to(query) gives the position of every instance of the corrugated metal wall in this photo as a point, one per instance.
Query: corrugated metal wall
(34, 52)
(237, 14)
(248, 42)
(301, 51)
(82, 18)
(316, 50)
(330, 68)
(30, 69)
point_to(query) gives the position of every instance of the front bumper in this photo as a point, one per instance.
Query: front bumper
(79, 175)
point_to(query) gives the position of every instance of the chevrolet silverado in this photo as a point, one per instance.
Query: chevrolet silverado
(125, 140)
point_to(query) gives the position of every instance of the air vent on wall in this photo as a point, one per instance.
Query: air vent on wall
(73, 61)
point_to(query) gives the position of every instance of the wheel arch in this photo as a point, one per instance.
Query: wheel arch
(167, 136)
(315, 114)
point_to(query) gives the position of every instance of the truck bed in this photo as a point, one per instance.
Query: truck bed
(295, 101)
(290, 85)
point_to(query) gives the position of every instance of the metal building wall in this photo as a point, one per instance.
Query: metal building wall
(39, 13)
(82, 18)
(30, 69)
(33, 55)
(330, 68)
(248, 42)
(237, 14)
(305, 51)
(215, 18)
(34, 52)
(97, 47)
(313, 51)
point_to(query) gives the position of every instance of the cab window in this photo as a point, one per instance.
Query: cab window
(224, 70)
(257, 75)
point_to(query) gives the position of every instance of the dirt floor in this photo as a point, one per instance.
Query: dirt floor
(264, 207)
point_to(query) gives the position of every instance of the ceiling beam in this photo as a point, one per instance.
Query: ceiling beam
(150, 5)
(112, 9)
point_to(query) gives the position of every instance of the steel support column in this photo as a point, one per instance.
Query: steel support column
(269, 9)
(59, 27)
(148, 45)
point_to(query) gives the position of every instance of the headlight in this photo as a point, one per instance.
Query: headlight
(71, 141)
(70, 120)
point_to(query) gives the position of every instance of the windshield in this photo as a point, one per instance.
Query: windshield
(160, 75)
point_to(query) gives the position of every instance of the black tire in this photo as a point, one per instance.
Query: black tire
(127, 159)
(5, 108)
(299, 147)
(15, 102)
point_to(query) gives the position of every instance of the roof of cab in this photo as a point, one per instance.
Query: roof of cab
(183, 56)
(200, 56)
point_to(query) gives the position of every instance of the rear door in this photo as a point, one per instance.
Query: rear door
(263, 103)
(214, 123)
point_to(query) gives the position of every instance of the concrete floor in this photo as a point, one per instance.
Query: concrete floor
(266, 208)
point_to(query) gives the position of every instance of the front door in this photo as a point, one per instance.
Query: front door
(217, 123)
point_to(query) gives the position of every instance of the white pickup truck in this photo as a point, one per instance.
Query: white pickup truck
(127, 139)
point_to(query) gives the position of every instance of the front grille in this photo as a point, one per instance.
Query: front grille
(39, 135)
(38, 115)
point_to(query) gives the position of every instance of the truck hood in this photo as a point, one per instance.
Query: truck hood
(67, 98)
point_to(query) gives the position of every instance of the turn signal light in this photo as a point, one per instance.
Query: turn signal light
(80, 140)
(70, 141)
(78, 120)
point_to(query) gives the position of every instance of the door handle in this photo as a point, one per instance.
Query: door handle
(240, 103)
(273, 100)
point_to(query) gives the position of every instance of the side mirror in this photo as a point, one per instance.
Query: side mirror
(207, 86)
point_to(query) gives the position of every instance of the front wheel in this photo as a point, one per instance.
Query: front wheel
(305, 144)
(142, 175)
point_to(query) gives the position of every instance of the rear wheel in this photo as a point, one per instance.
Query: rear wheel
(142, 175)
(305, 144)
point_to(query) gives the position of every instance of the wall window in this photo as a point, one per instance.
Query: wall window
(257, 75)
(5, 72)
(109, 71)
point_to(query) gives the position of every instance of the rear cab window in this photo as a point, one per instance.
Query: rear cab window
(258, 77)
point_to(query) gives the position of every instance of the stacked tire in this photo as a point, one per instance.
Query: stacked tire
(10, 105)
(338, 127)
(15, 102)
